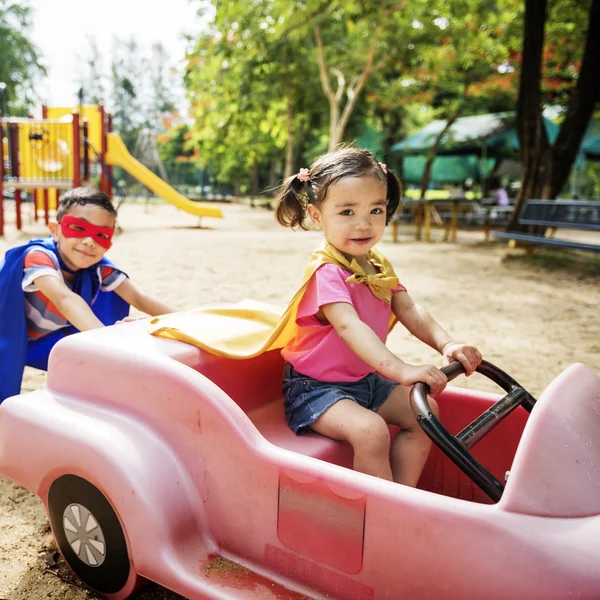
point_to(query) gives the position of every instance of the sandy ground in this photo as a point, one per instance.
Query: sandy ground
(529, 318)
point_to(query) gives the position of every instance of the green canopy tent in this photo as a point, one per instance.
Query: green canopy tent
(469, 149)
(446, 169)
(495, 133)
(591, 147)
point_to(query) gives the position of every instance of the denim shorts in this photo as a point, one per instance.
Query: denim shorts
(305, 399)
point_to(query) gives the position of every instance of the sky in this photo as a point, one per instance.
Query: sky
(62, 27)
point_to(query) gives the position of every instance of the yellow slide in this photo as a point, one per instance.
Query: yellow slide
(118, 155)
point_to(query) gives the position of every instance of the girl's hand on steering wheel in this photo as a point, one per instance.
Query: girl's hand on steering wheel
(468, 356)
(429, 374)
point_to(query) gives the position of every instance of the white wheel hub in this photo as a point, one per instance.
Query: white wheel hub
(84, 535)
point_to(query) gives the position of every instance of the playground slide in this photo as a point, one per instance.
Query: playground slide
(118, 155)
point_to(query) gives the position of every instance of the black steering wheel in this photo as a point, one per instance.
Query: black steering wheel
(456, 448)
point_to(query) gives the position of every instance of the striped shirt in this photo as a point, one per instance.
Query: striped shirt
(41, 314)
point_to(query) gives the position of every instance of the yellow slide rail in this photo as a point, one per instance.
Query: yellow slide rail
(118, 155)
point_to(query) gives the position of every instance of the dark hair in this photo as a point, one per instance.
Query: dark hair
(84, 196)
(328, 169)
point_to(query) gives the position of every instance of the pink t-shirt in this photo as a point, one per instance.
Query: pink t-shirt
(317, 350)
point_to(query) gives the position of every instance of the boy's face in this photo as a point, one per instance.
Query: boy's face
(82, 252)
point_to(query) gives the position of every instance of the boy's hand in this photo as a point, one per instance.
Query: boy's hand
(133, 318)
(468, 356)
(432, 376)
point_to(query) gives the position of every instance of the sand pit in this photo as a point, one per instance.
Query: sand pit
(532, 321)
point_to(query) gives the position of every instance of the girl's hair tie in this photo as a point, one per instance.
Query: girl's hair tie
(303, 175)
(383, 167)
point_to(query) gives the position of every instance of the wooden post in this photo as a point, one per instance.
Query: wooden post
(394, 230)
(486, 228)
(103, 149)
(454, 220)
(427, 236)
(76, 151)
(15, 168)
(109, 178)
(46, 206)
(419, 220)
(18, 202)
(86, 151)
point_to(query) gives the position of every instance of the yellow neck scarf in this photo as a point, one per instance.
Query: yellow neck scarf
(381, 283)
(249, 328)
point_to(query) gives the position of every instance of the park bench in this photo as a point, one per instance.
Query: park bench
(567, 214)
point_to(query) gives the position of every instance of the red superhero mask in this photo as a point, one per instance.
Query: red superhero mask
(75, 227)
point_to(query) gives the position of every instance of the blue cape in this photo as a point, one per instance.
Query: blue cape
(15, 350)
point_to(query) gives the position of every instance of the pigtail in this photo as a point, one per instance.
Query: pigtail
(394, 194)
(291, 202)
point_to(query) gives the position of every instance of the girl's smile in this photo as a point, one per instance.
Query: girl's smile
(353, 215)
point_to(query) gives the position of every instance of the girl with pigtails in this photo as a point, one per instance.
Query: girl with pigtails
(340, 379)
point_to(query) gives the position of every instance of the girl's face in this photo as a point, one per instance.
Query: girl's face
(353, 214)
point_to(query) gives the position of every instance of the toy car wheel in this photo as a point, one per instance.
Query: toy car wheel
(90, 536)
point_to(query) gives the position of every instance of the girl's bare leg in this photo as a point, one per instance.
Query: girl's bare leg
(411, 447)
(364, 430)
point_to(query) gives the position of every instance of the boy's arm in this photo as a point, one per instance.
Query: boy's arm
(424, 327)
(71, 306)
(135, 297)
(367, 345)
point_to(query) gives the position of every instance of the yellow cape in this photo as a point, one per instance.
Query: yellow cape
(249, 328)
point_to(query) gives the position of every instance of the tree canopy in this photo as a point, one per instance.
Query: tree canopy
(20, 62)
(273, 83)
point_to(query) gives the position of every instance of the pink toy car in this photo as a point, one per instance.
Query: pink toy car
(158, 461)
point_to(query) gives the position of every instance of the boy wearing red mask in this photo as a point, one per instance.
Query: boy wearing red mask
(63, 284)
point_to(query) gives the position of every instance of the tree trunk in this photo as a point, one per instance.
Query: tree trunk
(433, 153)
(253, 181)
(333, 98)
(353, 92)
(532, 133)
(289, 146)
(544, 168)
(337, 123)
(580, 109)
(301, 135)
(273, 169)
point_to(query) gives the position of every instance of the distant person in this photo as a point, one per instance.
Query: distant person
(53, 287)
(500, 197)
